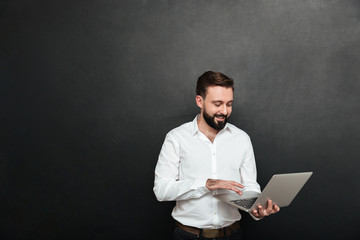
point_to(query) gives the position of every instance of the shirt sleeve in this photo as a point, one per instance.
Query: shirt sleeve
(167, 186)
(248, 172)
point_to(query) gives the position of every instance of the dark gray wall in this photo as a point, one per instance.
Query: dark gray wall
(90, 88)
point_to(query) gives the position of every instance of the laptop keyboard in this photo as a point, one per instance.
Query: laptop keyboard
(246, 203)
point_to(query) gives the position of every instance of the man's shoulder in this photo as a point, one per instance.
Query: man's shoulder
(185, 128)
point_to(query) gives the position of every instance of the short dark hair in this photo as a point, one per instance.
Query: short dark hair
(211, 78)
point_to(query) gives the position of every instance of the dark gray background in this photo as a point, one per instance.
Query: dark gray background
(90, 88)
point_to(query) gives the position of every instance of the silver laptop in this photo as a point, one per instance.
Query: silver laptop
(281, 189)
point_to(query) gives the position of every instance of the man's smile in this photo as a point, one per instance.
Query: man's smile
(220, 117)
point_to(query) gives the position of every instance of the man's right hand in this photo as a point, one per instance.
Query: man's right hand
(213, 184)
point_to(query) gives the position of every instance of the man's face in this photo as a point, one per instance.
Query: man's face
(217, 106)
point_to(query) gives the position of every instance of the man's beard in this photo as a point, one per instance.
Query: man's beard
(210, 120)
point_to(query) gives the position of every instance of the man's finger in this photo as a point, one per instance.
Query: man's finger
(269, 206)
(232, 185)
(261, 210)
(255, 213)
(213, 184)
(238, 191)
(235, 189)
(236, 184)
(276, 207)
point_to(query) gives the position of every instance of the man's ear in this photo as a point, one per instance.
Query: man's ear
(199, 101)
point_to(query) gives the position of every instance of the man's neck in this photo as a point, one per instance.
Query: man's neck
(208, 131)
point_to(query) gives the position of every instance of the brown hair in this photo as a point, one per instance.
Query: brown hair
(211, 78)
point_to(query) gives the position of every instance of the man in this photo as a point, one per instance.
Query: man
(205, 155)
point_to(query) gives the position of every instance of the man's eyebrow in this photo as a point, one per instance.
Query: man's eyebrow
(220, 101)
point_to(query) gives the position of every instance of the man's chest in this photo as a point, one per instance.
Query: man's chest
(218, 159)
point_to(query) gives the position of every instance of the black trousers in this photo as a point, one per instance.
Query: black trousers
(180, 234)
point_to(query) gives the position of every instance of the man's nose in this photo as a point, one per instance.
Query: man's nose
(224, 110)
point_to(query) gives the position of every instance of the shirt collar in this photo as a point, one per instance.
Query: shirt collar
(195, 127)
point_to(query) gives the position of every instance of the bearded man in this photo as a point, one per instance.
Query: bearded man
(200, 157)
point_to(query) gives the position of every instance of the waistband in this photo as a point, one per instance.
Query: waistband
(210, 233)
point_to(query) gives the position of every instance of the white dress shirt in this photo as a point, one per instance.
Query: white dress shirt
(188, 158)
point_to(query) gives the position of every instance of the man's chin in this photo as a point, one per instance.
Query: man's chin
(219, 125)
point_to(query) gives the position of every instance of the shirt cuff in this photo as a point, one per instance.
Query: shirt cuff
(200, 186)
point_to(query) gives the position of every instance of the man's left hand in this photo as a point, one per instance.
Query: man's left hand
(260, 212)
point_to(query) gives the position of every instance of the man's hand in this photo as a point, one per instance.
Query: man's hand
(213, 184)
(260, 212)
